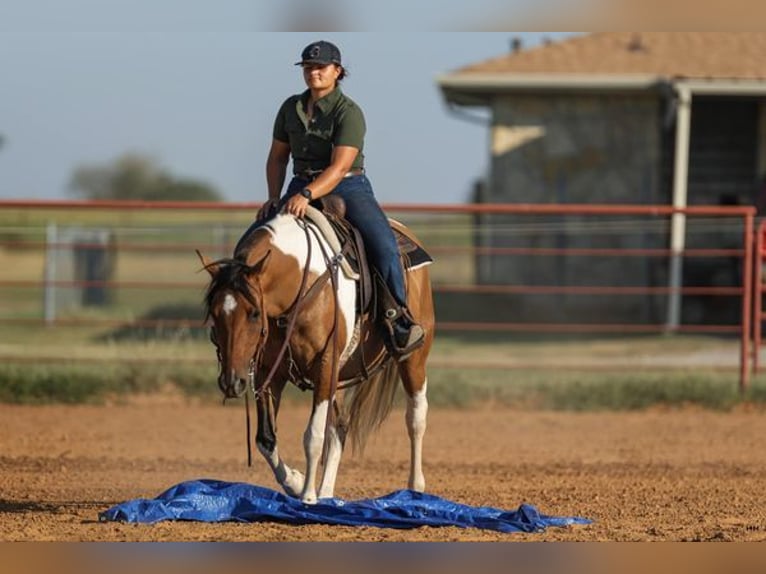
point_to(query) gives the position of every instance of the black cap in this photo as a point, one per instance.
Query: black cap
(321, 52)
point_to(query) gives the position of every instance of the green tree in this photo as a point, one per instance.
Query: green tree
(137, 177)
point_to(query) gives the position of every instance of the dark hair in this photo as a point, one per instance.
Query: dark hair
(343, 73)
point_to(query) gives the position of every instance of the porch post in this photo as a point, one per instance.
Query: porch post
(678, 221)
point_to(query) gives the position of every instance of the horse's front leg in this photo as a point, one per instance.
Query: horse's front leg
(334, 443)
(313, 441)
(289, 479)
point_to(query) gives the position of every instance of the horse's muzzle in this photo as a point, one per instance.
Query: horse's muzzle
(232, 386)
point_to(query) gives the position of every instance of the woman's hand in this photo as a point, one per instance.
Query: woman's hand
(297, 205)
(267, 208)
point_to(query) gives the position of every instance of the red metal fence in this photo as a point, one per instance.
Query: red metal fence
(758, 288)
(579, 258)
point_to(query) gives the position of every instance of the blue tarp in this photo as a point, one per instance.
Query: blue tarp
(217, 501)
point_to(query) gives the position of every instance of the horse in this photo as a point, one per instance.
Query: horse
(280, 311)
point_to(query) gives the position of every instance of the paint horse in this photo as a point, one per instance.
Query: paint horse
(275, 317)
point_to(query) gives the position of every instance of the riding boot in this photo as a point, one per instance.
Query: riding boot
(404, 335)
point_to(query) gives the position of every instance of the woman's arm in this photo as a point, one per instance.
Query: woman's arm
(276, 167)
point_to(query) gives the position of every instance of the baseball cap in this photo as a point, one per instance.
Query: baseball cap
(321, 52)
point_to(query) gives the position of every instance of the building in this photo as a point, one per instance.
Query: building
(631, 118)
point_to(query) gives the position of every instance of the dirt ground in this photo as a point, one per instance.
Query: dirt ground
(676, 475)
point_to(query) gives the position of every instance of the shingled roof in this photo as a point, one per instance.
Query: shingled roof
(672, 55)
(720, 63)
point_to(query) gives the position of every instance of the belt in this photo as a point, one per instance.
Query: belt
(312, 174)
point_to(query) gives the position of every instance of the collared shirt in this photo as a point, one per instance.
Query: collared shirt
(337, 121)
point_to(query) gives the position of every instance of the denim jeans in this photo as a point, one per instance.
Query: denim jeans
(364, 213)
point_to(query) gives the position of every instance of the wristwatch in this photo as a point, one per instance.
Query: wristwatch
(306, 192)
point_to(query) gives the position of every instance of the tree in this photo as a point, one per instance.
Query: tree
(137, 177)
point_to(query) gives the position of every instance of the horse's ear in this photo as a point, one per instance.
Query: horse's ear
(259, 265)
(209, 266)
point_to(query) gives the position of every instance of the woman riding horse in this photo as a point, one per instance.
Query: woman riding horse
(276, 317)
(323, 130)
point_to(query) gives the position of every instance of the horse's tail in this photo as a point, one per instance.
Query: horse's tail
(368, 404)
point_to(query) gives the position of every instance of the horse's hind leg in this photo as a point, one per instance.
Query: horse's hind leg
(289, 479)
(413, 374)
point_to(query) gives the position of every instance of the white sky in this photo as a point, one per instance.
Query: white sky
(197, 88)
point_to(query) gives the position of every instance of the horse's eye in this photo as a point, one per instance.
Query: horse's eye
(254, 315)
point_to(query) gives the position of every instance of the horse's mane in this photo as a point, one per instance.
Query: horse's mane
(232, 272)
(232, 275)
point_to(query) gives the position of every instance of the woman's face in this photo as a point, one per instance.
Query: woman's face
(321, 78)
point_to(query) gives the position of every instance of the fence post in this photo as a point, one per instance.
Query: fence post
(758, 295)
(49, 272)
(678, 219)
(747, 290)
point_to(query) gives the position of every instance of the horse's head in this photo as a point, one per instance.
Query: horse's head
(238, 323)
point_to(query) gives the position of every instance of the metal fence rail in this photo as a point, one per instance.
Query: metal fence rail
(147, 260)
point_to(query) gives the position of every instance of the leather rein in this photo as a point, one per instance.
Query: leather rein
(304, 297)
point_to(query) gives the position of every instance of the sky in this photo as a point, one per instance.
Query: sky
(196, 85)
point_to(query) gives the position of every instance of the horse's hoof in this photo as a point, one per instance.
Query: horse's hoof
(418, 485)
(293, 483)
(309, 499)
(291, 491)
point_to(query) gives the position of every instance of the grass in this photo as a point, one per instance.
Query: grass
(550, 390)
(89, 363)
(588, 391)
(45, 384)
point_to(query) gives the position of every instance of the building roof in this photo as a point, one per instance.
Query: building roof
(618, 60)
(699, 55)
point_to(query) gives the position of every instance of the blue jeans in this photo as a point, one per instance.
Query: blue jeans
(364, 213)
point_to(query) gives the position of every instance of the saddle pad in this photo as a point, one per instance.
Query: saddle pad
(413, 255)
(217, 501)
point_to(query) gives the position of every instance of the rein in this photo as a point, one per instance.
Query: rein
(305, 296)
(265, 387)
(292, 318)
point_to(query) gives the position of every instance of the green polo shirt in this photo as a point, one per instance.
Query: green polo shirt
(337, 120)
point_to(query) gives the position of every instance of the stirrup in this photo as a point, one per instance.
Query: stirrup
(415, 340)
(394, 313)
(398, 321)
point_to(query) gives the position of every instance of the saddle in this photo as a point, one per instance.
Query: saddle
(346, 241)
(348, 247)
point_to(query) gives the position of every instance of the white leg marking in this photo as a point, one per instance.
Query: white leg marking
(313, 439)
(334, 448)
(417, 411)
(229, 304)
(289, 479)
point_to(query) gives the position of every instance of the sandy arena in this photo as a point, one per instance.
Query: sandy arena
(662, 475)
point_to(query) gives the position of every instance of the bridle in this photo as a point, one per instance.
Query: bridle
(302, 298)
